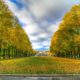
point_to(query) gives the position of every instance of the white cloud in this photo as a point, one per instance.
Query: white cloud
(32, 28)
(36, 46)
(41, 18)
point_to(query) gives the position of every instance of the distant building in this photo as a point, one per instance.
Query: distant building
(43, 53)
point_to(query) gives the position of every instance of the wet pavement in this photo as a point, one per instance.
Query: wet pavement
(41, 78)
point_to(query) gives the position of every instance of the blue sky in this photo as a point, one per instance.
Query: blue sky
(40, 18)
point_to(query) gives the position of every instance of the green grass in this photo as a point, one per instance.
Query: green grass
(40, 65)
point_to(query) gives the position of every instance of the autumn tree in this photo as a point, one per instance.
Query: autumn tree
(66, 41)
(14, 42)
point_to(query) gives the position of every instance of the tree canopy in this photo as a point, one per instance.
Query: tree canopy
(14, 42)
(66, 41)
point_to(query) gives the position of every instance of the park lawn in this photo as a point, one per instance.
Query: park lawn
(40, 65)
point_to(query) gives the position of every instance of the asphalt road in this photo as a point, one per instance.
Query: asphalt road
(40, 78)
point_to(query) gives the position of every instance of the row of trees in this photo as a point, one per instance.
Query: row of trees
(66, 41)
(13, 40)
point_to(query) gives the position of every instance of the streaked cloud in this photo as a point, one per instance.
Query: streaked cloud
(40, 18)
